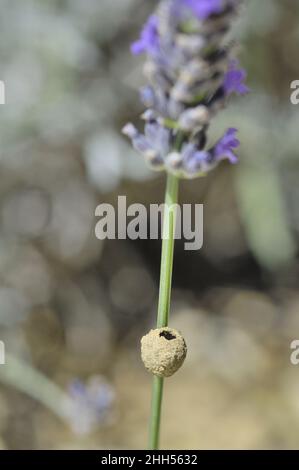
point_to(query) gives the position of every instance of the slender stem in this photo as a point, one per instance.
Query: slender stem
(171, 199)
(157, 394)
(24, 378)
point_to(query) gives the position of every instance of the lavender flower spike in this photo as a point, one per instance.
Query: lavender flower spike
(191, 72)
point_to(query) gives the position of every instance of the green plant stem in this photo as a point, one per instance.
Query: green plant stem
(156, 407)
(171, 199)
(22, 376)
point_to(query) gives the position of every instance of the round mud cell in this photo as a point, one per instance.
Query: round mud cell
(163, 351)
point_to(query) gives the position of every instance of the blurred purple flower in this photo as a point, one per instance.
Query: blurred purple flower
(149, 38)
(204, 8)
(194, 161)
(226, 145)
(154, 144)
(91, 404)
(234, 80)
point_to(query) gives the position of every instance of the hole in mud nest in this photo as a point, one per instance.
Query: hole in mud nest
(167, 335)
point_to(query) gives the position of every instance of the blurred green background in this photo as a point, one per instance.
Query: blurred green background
(73, 309)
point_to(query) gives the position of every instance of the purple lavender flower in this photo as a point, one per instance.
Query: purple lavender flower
(154, 144)
(149, 39)
(226, 145)
(204, 8)
(191, 162)
(191, 73)
(234, 80)
(194, 160)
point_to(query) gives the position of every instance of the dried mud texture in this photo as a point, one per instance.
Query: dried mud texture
(163, 351)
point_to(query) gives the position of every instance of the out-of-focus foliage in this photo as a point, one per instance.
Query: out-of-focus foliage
(72, 308)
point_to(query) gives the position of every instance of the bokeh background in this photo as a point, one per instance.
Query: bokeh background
(73, 308)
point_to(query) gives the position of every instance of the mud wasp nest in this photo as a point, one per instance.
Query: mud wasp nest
(163, 351)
